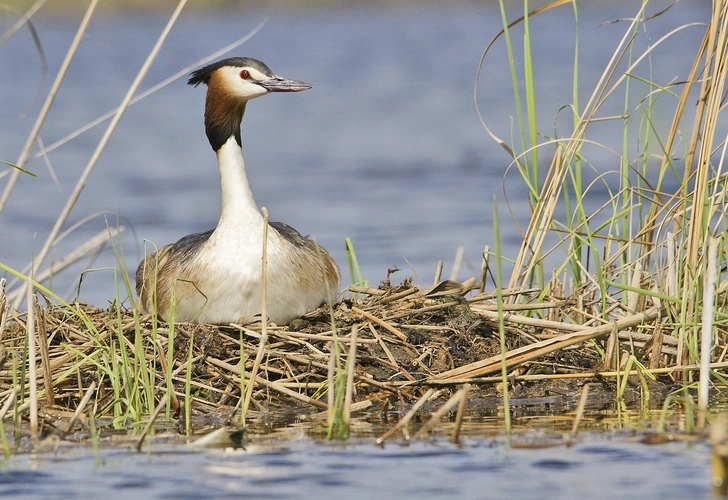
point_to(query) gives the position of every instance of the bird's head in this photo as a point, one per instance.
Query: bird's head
(231, 83)
(244, 78)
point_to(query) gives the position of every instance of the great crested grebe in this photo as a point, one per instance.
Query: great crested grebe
(215, 277)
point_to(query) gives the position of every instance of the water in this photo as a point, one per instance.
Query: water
(294, 462)
(595, 468)
(386, 149)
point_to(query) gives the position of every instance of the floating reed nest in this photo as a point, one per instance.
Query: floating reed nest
(408, 340)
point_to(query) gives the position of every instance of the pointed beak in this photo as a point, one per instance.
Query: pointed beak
(279, 84)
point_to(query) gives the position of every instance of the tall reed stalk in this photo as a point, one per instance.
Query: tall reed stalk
(644, 244)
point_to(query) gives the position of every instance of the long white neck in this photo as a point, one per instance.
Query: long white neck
(238, 204)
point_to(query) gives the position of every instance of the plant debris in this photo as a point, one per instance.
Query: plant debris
(409, 340)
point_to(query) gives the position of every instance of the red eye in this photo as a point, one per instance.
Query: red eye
(245, 74)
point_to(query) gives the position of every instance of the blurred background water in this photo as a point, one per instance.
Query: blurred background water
(386, 148)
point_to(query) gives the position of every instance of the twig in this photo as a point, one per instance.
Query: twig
(438, 272)
(160, 406)
(527, 320)
(455, 436)
(580, 409)
(442, 411)
(380, 322)
(405, 420)
(350, 365)
(9, 402)
(272, 385)
(86, 397)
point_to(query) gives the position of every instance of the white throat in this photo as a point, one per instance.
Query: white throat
(238, 204)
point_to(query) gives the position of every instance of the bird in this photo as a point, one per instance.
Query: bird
(215, 277)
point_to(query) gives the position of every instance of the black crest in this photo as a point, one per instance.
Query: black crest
(202, 75)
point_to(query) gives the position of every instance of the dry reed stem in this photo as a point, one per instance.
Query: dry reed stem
(417, 312)
(162, 358)
(658, 339)
(533, 351)
(32, 368)
(3, 308)
(507, 292)
(160, 406)
(438, 272)
(709, 106)
(8, 403)
(263, 315)
(400, 295)
(91, 245)
(457, 263)
(351, 365)
(559, 376)
(528, 320)
(484, 269)
(402, 424)
(81, 406)
(331, 382)
(355, 407)
(527, 307)
(706, 340)
(22, 21)
(455, 435)
(381, 323)
(81, 182)
(610, 349)
(271, 385)
(580, 409)
(367, 290)
(153, 89)
(387, 352)
(30, 141)
(44, 354)
(435, 418)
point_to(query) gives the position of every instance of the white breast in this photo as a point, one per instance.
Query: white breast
(230, 279)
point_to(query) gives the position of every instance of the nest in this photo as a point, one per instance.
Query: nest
(406, 340)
